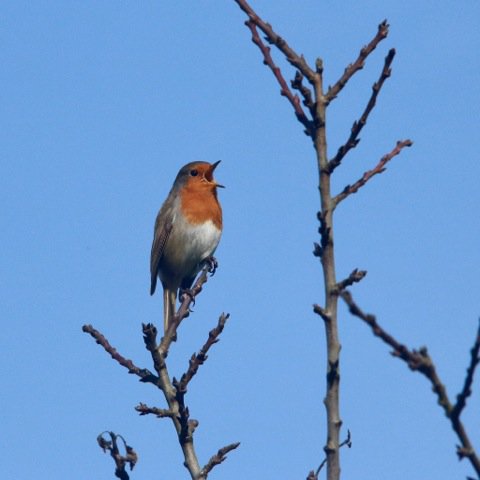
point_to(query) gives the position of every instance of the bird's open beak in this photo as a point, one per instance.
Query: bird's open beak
(213, 166)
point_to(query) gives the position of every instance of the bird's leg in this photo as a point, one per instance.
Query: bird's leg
(212, 265)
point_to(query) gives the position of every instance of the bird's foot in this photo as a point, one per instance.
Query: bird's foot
(189, 293)
(212, 265)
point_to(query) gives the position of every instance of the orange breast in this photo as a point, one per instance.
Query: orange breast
(201, 205)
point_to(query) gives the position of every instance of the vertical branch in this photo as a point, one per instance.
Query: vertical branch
(317, 103)
(332, 400)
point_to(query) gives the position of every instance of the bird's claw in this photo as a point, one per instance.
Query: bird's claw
(189, 293)
(212, 265)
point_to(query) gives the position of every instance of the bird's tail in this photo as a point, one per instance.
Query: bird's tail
(169, 302)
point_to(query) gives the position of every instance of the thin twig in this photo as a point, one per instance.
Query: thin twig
(199, 358)
(298, 61)
(420, 361)
(145, 375)
(319, 310)
(379, 168)
(353, 139)
(358, 64)
(297, 84)
(354, 277)
(284, 89)
(313, 475)
(467, 386)
(218, 458)
(144, 409)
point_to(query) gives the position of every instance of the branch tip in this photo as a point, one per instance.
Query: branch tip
(358, 125)
(379, 168)
(322, 312)
(218, 458)
(358, 64)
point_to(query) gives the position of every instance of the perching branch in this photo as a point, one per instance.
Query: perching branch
(420, 361)
(174, 392)
(184, 309)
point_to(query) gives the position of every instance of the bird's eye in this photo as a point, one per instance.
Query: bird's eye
(193, 173)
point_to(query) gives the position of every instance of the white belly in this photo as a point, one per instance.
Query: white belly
(187, 247)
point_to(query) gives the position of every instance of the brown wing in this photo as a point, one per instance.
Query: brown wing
(161, 234)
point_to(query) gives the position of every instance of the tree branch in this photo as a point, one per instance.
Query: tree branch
(143, 409)
(353, 139)
(317, 101)
(420, 361)
(358, 64)
(297, 84)
(467, 386)
(144, 374)
(284, 90)
(298, 61)
(180, 417)
(199, 359)
(379, 168)
(313, 475)
(355, 277)
(218, 458)
(184, 310)
(174, 392)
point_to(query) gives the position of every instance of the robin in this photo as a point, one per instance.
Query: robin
(187, 231)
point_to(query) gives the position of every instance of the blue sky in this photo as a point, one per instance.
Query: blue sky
(103, 102)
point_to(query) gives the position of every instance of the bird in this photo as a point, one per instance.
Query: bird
(187, 231)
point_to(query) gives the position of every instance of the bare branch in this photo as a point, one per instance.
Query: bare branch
(284, 90)
(174, 392)
(298, 61)
(379, 168)
(198, 359)
(121, 461)
(358, 64)
(353, 139)
(144, 374)
(297, 84)
(218, 458)
(317, 101)
(143, 409)
(467, 386)
(184, 309)
(355, 277)
(420, 360)
(322, 312)
(325, 239)
(314, 475)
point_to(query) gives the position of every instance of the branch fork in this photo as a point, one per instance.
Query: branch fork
(174, 391)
